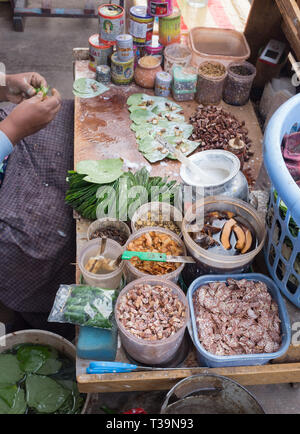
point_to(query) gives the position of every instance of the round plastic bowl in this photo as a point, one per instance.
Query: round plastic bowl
(169, 213)
(106, 281)
(133, 273)
(110, 223)
(215, 263)
(152, 352)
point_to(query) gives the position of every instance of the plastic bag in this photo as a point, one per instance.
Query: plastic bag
(84, 305)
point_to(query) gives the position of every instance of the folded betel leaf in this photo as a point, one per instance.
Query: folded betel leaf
(32, 357)
(101, 171)
(141, 116)
(135, 99)
(185, 146)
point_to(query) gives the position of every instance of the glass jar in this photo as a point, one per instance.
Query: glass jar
(238, 83)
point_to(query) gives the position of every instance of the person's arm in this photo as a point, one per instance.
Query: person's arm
(30, 116)
(20, 86)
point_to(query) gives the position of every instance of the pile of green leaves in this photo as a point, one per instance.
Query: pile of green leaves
(152, 116)
(31, 381)
(86, 196)
(84, 305)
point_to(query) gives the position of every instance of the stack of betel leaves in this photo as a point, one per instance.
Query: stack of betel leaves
(154, 116)
(102, 187)
(37, 379)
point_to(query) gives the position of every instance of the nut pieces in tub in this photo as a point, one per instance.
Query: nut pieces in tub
(237, 317)
(151, 312)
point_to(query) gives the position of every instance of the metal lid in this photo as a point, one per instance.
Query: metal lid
(140, 12)
(110, 10)
(176, 14)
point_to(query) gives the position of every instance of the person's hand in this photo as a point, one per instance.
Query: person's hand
(31, 116)
(22, 86)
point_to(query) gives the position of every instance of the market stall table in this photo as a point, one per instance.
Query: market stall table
(102, 130)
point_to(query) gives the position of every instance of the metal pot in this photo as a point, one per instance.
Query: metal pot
(210, 394)
(222, 165)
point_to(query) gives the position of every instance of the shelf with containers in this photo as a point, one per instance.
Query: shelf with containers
(284, 370)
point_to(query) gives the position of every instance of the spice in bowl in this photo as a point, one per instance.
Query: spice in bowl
(158, 220)
(151, 312)
(112, 233)
(149, 61)
(155, 242)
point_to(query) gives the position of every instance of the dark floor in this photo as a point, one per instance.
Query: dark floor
(46, 47)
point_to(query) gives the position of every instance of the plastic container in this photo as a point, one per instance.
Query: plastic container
(282, 249)
(133, 273)
(210, 394)
(209, 87)
(211, 263)
(155, 48)
(106, 281)
(207, 359)
(182, 96)
(176, 54)
(222, 45)
(237, 85)
(163, 81)
(152, 352)
(185, 79)
(169, 28)
(169, 213)
(108, 222)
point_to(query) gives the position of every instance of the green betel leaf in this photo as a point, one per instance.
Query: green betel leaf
(10, 371)
(8, 393)
(19, 405)
(50, 367)
(141, 116)
(101, 171)
(135, 99)
(44, 394)
(32, 357)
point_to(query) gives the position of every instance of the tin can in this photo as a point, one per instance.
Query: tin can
(169, 28)
(141, 25)
(125, 47)
(121, 72)
(160, 8)
(111, 22)
(103, 73)
(156, 48)
(163, 81)
(99, 52)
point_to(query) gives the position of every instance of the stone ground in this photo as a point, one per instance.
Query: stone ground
(46, 47)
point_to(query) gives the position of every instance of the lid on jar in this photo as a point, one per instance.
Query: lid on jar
(176, 13)
(140, 12)
(184, 73)
(164, 76)
(113, 11)
(95, 42)
(124, 37)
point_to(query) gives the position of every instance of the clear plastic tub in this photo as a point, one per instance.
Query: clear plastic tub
(212, 263)
(152, 352)
(133, 273)
(109, 223)
(209, 87)
(106, 281)
(185, 78)
(176, 54)
(222, 45)
(207, 359)
(182, 95)
(238, 84)
(168, 212)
